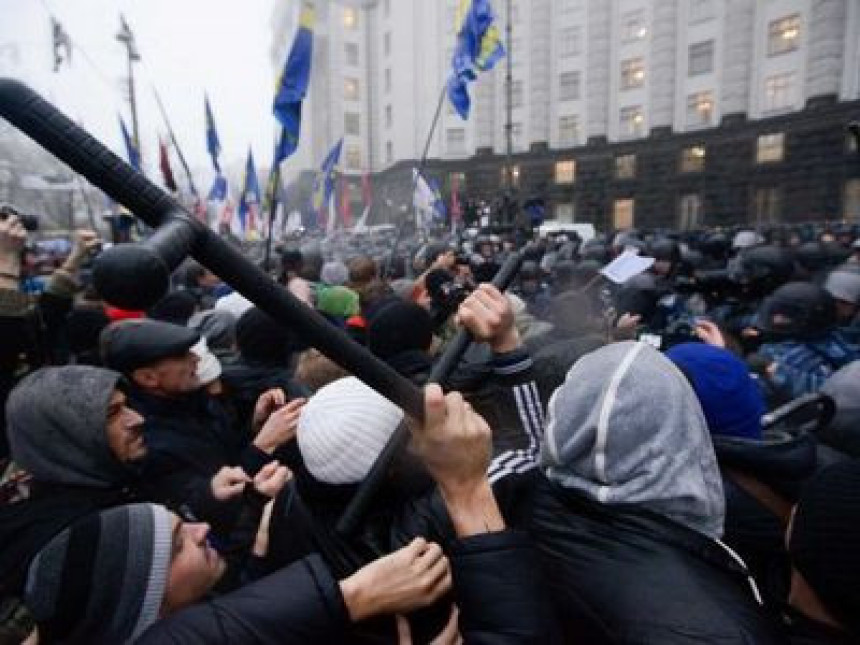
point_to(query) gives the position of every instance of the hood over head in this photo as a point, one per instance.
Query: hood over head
(626, 428)
(57, 419)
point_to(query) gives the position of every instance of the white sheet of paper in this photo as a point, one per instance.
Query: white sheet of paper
(625, 266)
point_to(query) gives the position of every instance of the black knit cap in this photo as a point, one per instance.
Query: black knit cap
(263, 339)
(825, 540)
(398, 327)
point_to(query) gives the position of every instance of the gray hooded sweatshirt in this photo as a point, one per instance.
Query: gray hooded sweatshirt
(56, 420)
(626, 427)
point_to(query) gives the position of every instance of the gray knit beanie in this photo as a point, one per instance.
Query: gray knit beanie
(103, 579)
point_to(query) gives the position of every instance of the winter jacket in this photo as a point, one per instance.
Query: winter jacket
(628, 523)
(761, 481)
(188, 440)
(496, 584)
(802, 367)
(624, 574)
(408, 505)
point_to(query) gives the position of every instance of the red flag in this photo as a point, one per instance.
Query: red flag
(345, 204)
(166, 172)
(367, 195)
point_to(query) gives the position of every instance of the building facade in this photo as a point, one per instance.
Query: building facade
(624, 112)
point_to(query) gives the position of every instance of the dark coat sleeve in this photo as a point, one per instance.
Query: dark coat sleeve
(498, 589)
(301, 604)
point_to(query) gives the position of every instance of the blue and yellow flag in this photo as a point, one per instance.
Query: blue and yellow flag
(213, 145)
(479, 48)
(131, 147)
(249, 202)
(293, 84)
(324, 181)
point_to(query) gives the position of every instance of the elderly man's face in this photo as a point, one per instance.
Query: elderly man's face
(172, 376)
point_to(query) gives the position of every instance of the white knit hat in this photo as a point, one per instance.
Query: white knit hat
(208, 367)
(342, 430)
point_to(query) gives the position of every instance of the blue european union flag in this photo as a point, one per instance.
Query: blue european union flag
(131, 146)
(213, 145)
(479, 48)
(293, 84)
(324, 181)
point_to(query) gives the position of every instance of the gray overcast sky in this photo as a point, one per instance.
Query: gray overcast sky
(186, 46)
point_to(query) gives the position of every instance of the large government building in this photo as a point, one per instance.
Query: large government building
(676, 113)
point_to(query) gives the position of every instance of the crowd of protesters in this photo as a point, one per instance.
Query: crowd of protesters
(672, 459)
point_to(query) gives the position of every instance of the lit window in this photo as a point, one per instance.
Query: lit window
(622, 213)
(389, 116)
(770, 148)
(352, 123)
(779, 91)
(568, 86)
(625, 166)
(693, 159)
(700, 109)
(632, 73)
(516, 94)
(690, 212)
(456, 139)
(701, 58)
(350, 89)
(353, 157)
(633, 26)
(783, 35)
(350, 17)
(351, 54)
(632, 122)
(768, 205)
(570, 41)
(568, 131)
(515, 176)
(565, 172)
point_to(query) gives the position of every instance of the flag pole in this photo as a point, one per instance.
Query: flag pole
(273, 207)
(175, 142)
(420, 171)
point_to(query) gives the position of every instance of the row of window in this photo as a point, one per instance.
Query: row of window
(766, 207)
(770, 148)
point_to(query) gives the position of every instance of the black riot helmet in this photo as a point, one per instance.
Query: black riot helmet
(665, 250)
(798, 310)
(762, 268)
(813, 256)
(716, 246)
(596, 251)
